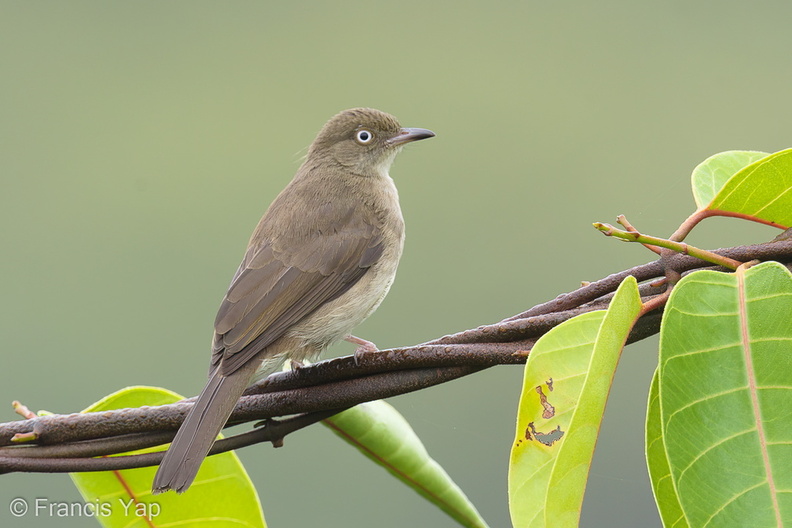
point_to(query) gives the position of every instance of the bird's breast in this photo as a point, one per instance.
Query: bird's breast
(336, 319)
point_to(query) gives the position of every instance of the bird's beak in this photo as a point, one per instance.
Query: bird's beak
(410, 134)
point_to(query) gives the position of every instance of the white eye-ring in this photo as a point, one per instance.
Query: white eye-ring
(364, 136)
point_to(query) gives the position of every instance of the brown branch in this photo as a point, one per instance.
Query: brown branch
(66, 442)
(68, 461)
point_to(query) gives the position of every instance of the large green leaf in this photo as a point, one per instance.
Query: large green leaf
(657, 462)
(711, 174)
(566, 384)
(725, 386)
(122, 496)
(381, 433)
(761, 191)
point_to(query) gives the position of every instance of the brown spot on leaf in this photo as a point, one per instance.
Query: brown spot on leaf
(549, 410)
(547, 439)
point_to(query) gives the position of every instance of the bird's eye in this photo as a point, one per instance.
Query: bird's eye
(363, 137)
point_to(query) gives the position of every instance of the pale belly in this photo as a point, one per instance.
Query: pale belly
(336, 319)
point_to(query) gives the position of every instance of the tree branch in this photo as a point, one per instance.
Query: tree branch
(66, 443)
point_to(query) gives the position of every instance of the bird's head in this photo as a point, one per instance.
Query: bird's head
(364, 140)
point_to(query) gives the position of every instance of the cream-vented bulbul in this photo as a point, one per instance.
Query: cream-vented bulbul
(320, 261)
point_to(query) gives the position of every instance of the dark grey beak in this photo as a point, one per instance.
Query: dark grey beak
(410, 134)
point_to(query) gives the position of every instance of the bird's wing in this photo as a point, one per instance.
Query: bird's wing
(280, 281)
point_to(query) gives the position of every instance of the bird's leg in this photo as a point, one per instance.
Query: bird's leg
(363, 347)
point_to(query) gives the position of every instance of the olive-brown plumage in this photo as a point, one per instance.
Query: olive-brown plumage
(319, 262)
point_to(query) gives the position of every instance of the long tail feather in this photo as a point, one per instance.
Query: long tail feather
(200, 429)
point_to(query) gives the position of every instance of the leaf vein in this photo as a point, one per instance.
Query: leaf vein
(702, 400)
(731, 500)
(710, 448)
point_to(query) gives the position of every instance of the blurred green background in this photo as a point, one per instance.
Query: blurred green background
(140, 142)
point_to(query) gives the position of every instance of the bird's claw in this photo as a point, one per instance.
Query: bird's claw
(364, 347)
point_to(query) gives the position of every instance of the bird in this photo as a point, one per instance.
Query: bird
(319, 262)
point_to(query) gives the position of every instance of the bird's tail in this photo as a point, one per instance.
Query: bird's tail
(200, 429)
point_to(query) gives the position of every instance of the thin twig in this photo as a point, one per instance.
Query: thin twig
(622, 220)
(679, 247)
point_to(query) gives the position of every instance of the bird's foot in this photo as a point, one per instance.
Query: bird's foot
(364, 347)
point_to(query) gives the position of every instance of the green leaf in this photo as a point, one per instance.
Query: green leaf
(710, 175)
(559, 359)
(657, 462)
(123, 498)
(725, 386)
(381, 433)
(761, 191)
(565, 388)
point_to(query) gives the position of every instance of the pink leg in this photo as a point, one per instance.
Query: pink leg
(363, 347)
